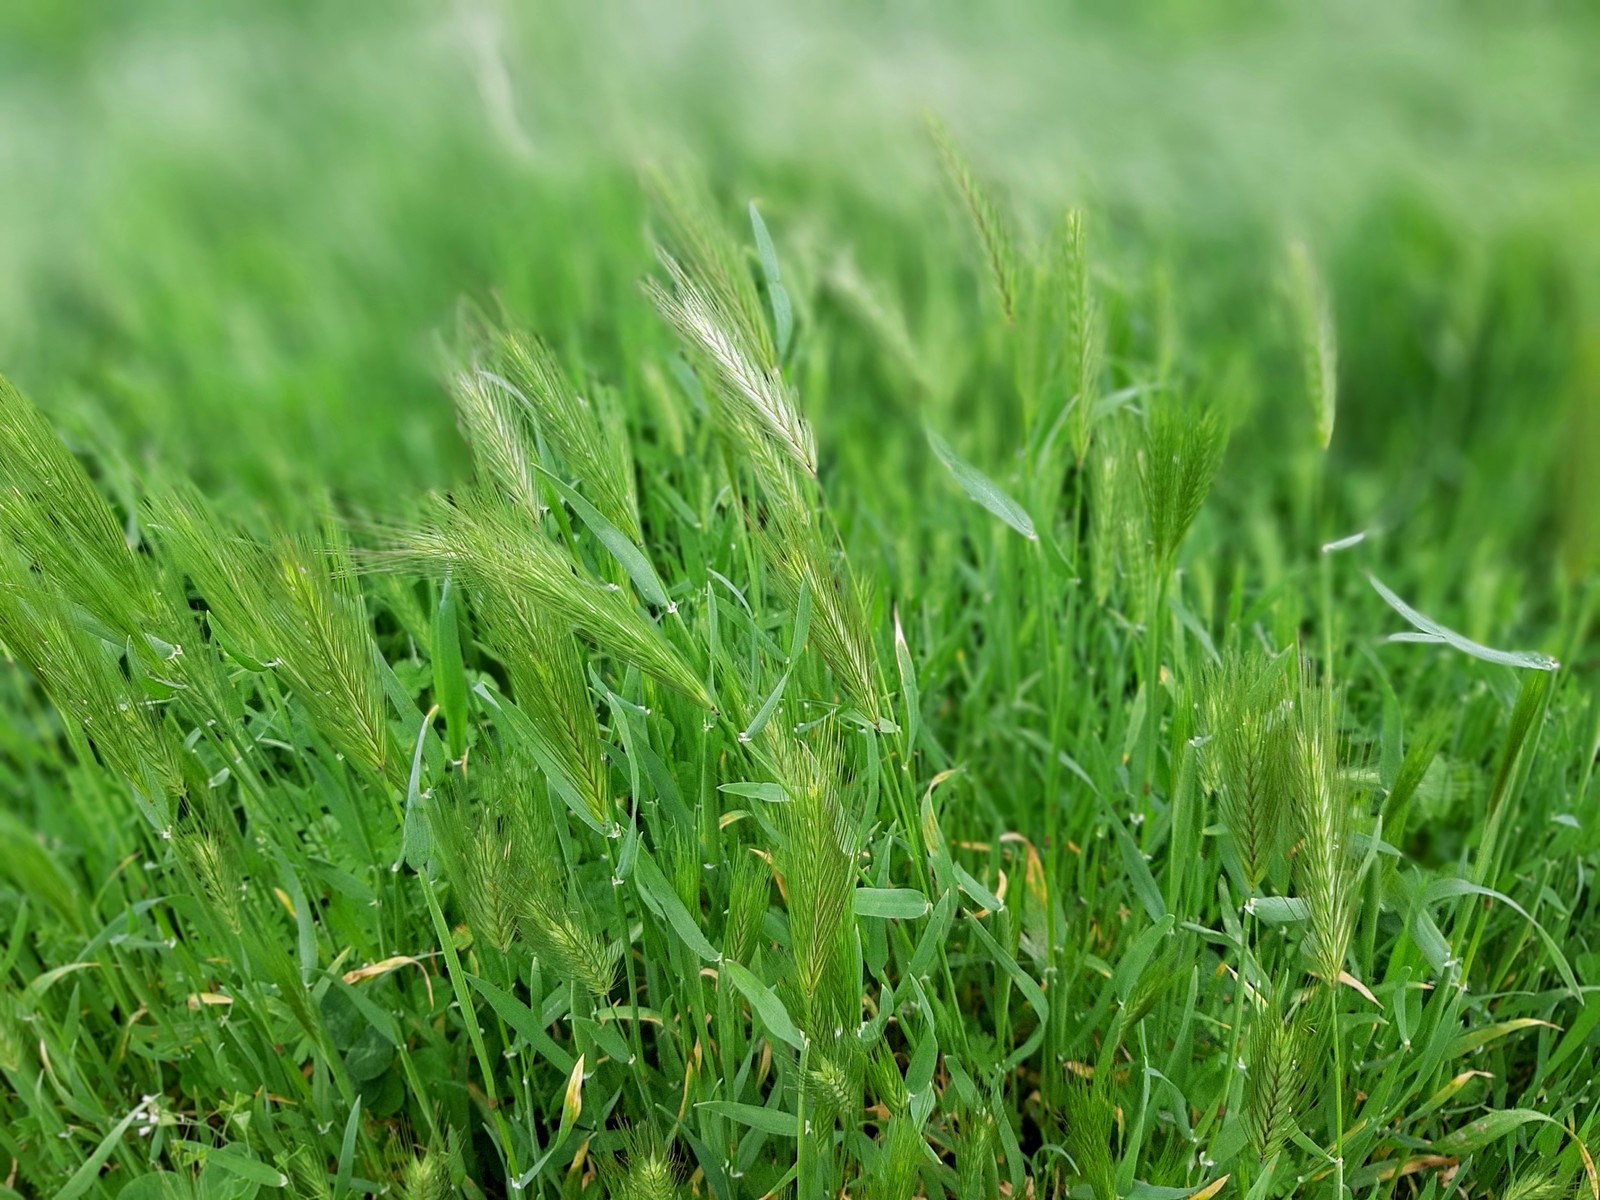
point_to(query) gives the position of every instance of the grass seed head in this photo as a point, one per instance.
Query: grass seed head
(749, 892)
(110, 720)
(594, 448)
(753, 398)
(483, 850)
(680, 860)
(815, 857)
(1249, 754)
(545, 668)
(645, 1169)
(491, 421)
(1090, 1118)
(900, 1162)
(292, 603)
(993, 233)
(509, 557)
(1324, 863)
(976, 1140)
(833, 1080)
(1118, 533)
(1313, 317)
(1183, 444)
(888, 1084)
(52, 513)
(1277, 1053)
(1541, 1183)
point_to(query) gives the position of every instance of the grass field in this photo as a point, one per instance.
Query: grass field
(617, 601)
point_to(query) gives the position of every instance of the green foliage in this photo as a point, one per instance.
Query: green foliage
(687, 782)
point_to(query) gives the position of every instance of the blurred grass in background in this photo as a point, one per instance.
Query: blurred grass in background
(232, 233)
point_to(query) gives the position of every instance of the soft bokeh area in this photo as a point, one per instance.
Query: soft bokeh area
(233, 235)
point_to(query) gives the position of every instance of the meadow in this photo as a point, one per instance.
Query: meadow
(602, 603)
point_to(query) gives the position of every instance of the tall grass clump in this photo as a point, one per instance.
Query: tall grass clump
(859, 719)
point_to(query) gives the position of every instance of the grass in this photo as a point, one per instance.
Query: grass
(924, 696)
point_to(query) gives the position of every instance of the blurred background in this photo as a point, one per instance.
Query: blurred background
(234, 237)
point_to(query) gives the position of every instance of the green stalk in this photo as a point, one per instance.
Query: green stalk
(1156, 619)
(1338, 1088)
(805, 1151)
(1235, 1090)
(635, 1038)
(1052, 806)
(458, 982)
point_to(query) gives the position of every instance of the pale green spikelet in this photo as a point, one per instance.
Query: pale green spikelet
(481, 849)
(993, 234)
(503, 859)
(1541, 1183)
(107, 718)
(815, 858)
(838, 623)
(752, 394)
(425, 1177)
(294, 606)
(1324, 861)
(1161, 973)
(546, 673)
(694, 235)
(1277, 1054)
(1182, 449)
(1084, 333)
(214, 865)
(758, 415)
(888, 1084)
(901, 1159)
(51, 511)
(976, 1140)
(492, 422)
(680, 861)
(1090, 1118)
(422, 1172)
(307, 1174)
(12, 1039)
(749, 892)
(1249, 755)
(501, 551)
(329, 656)
(645, 1170)
(833, 1080)
(562, 932)
(1313, 315)
(594, 449)
(714, 306)
(1058, 350)
(1117, 532)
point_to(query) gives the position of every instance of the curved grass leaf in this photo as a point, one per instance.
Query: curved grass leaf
(900, 904)
(767, 1120)
(1430, 630)
(766, 1004)
(1488, 1128)
(980, 488)
(628, 556)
